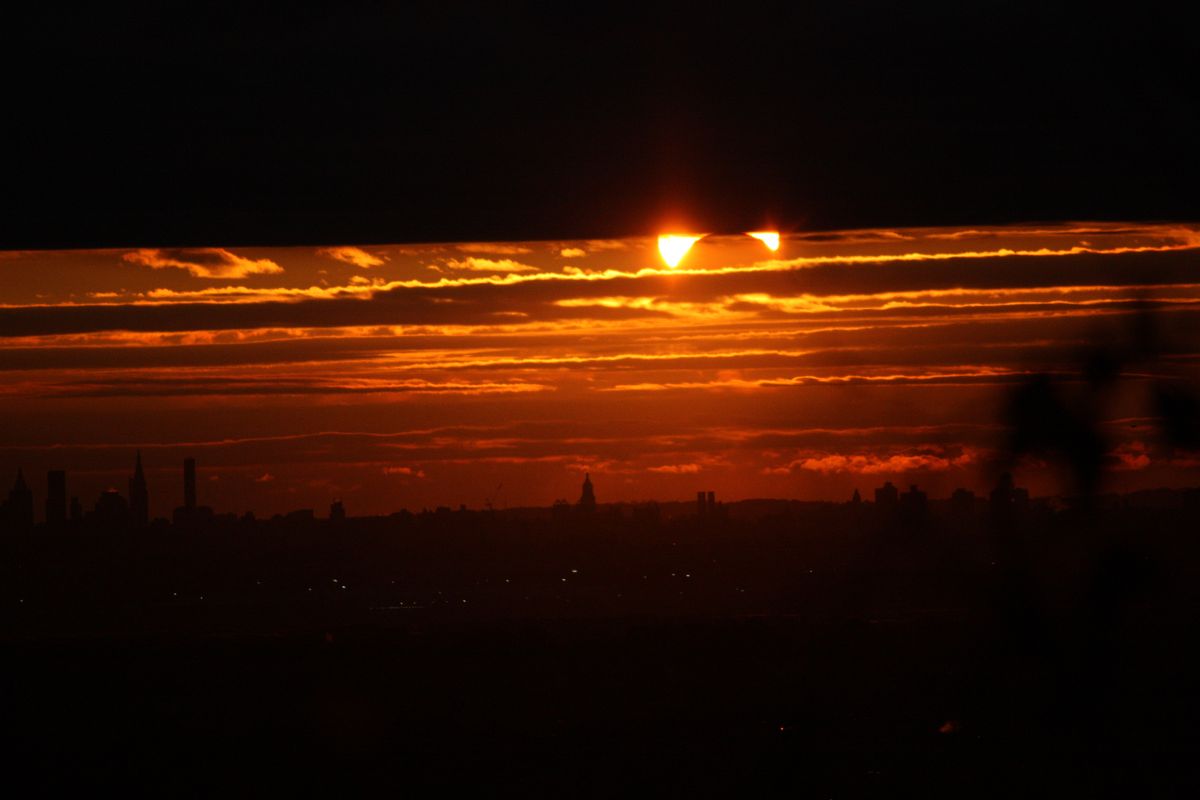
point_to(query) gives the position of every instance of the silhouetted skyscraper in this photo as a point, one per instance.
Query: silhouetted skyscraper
(887, 496)
(190, 515)
(561, 510)
(111, 511)
(56, 497)
(189, 486)
(962, 503)
(1007, 497)
(587, 499)
(18, 511)
(139, 498)
(1001, 496)
(337, 512)
(701, 504)
(914, 502)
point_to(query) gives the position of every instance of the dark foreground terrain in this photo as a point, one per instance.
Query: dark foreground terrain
(856, 657)
(675, 708)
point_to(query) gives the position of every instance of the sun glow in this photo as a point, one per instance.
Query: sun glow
(769, 238)
(674, 247)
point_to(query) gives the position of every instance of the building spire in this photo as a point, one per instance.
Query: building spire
(139, 499)
(587, 499)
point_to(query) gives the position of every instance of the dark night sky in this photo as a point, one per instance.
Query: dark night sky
(370, 123)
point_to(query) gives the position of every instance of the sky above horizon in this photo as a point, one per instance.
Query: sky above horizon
(410, 376)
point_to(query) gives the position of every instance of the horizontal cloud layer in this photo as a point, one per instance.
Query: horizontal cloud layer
(853, 358)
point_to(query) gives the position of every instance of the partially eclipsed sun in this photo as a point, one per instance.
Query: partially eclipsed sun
(674, 247)
(769, 238)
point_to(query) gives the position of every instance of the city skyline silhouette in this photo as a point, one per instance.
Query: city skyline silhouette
(113, 511)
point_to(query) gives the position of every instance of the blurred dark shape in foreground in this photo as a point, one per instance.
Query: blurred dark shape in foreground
(1060, 418)
(1056, 662)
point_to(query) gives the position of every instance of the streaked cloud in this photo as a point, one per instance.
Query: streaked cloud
(876, 464)
(477, 264)
(494, 248)
(601, 245)
(234, 386)
(355, 256)
(204, 262)
(946, 377)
